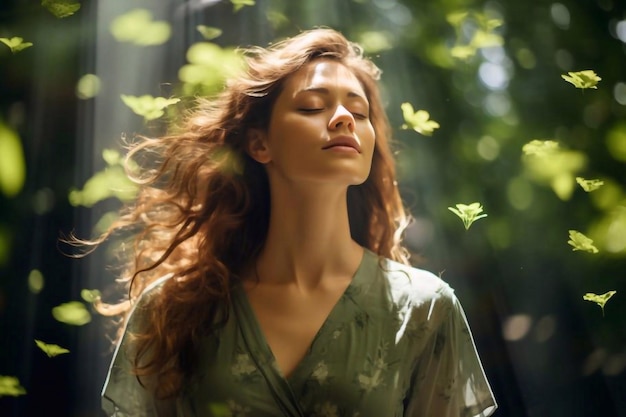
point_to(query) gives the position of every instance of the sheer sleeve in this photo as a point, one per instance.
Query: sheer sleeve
(449, 380)
(123, 395)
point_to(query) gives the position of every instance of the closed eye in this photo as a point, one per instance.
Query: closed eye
(310, 110)
(359, 116)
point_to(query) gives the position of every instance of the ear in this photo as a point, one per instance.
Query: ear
(257, 146)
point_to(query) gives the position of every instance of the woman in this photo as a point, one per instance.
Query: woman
(268, 277)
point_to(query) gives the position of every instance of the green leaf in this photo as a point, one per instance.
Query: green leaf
(112, 157)
(209, 66)
(88, 86)
(375, 41)
(589, 185)
(12, 164)
(463, 51)
(74, 313)
(35, 281)
(147, 106)
(220, 410)
(418, 120)
(138, 27)
(61, 8)
(239, 4)
(581, 242)
(110, 182)
(599, 299)
(16, 44)
(50, 349)
(582, 79)
(540, 147)
(468, 213)
(91, 296)
(10, 387)
(209, 32)
(456, 18)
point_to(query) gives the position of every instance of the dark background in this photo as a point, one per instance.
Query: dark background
(546, 351)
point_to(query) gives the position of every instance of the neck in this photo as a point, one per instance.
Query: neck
(308, 238)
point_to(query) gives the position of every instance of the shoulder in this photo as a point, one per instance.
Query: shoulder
(416, 287)
(144, 301)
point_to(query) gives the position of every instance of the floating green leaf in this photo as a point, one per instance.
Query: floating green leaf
(599, 299)
(581, 242)
(209, 65)
(10, 387)
(209, 32)
(112, 181)
(375, 41)
(418, 120)
(468, 213)
(16, 44)
(589, 185)
(540, 147)
(239, 4)
(61, 8)
(12, 164)
(582, 79)
(50, 349)
(147, 106)
(74, 313)
(462, 51)
(91, 296)
(138, 27)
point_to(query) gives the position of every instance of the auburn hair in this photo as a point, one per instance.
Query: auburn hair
(202, 209)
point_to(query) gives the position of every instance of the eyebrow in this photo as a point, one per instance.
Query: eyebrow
(324, 90)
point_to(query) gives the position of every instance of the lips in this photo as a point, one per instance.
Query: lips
(345, 141)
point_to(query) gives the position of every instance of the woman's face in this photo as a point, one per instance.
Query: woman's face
(319, 129)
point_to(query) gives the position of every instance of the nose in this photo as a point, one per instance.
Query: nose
(342, 118)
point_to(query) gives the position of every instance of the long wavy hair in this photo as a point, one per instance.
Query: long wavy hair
(202, 210)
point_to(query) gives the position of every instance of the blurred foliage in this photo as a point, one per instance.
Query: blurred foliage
(112, 181)
(209, 32)
(88, 86)
(12, 164)
(239, 4)
(209, 66)
(10, 386)
(73, 313)
(90, 296)
(147, 106)
(138, 27)
(35, 281)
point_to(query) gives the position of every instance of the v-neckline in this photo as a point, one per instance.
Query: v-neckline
(254, 326)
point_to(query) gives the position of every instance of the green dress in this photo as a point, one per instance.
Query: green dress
(397, 343)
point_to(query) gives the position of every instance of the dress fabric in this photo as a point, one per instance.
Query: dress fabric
(396, 344)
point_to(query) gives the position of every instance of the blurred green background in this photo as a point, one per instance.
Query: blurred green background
(488, 72)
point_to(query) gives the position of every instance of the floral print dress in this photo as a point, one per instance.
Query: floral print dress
(396, 344)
